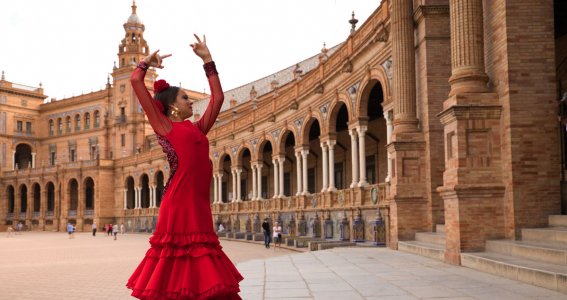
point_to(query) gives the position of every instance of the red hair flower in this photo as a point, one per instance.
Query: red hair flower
(160, 86)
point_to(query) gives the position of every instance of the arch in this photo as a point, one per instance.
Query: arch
(222, 157)
(11, 196)
(73, 193)
(305, 131)
(225, 167)
(159, 180)
(87, 121)
(23, 198)
(77, 122)
(283, 137)
(51, 127)
(36, 197)
(96, 119)
(376, 75)
(130, 196)
(144, 191)
(23, 156)
(241, 151)
(334, 112)
(89, 185)
(262, 145)
(50, 187)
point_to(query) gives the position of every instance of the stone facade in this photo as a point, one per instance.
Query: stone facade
(431, 112)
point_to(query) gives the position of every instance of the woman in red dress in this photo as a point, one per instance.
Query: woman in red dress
(185, 260)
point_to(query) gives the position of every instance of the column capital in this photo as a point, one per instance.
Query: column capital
(362, 129)
(331, 143)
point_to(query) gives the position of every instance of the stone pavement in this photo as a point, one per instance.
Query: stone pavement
(47, 265)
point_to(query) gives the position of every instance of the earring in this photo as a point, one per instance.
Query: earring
(174, 111)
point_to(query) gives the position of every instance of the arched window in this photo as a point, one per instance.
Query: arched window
(59, 126)
(96, 119)
(87, 121)
(77, 122)
(68, 124)
(51, 127)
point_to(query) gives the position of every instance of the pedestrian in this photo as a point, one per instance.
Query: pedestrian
(109, 230)
(115, 230)
(70, 230)
(19, 228)
(267, 236)
(94, 228)
(185, 223)
(122, 229)
(277, 230)
(9, 231)
(221, 228)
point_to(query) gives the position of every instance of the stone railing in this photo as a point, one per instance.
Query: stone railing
(89, 212)
(72, 213)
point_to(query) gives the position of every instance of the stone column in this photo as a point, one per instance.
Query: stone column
(219, 176)
(304, 154)
(125, 198)
(281, 177)
(238, 184)
(403, 65)
(467, 47)
(14, 160)
(259, 174)
(331, 144)
(389, 130)
(254, 179)
(362, 155)
(354, 156)
(137, 197)
(33, 160)
(298, 172)
(233, 172)
(276, 181)
(215, 189)
(325, 167)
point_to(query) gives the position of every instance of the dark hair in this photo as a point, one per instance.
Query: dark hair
(167, 97)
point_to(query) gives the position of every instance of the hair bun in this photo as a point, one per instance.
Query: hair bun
(160, 86)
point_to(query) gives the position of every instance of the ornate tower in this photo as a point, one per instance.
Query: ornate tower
(128, 126)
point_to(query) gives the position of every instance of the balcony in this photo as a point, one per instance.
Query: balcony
(49, 214)
(72, 213)
(89, 212)
(36, 214)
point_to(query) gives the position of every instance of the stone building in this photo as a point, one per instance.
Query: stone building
(431, 112)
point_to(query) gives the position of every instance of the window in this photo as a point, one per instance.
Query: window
(311, 180)
(28, 127)
(72, 155)
(53, 158)
(77, 123)
(51, 127)
(68, 121)
(59, 126)
(87, 121)
(339, 182)
(123, 140)
(371, 169)
(20, 124)
(96, 119)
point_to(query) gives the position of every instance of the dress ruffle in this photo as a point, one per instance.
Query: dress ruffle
(185, 266)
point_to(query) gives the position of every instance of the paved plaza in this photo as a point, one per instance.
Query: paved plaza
(47, 265)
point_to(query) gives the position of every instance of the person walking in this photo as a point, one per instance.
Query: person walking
(122, 229)
(115, 230)
(185, 260)
(277, 230)
(70, 230)
(109, 230)
(94, 228)
(9, 231)
(267, 236)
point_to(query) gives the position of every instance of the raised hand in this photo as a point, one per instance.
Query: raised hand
(155, 60)
(200, 48)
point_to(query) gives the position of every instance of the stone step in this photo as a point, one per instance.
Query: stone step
(550, 276)
(558, 221)
(548, 235)
(440, 228)
(543, 252)
(430, 238)
(424, 249)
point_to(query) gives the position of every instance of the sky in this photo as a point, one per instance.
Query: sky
(70, 46)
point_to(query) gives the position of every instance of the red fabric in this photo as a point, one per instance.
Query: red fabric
(185, 260)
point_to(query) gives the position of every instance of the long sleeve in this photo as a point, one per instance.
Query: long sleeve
(206, 122)
(159, 122)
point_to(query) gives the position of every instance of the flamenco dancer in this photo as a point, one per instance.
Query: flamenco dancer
(185, 260)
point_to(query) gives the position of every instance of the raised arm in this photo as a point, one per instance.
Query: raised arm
(206, 122)
(217, 96)
(153, 109)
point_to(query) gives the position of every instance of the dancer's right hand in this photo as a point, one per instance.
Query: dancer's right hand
(155, 60)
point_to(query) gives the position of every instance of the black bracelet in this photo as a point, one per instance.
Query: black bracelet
(143, 65)
(210, 69)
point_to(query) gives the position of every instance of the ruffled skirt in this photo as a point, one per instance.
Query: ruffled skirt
(185, 266)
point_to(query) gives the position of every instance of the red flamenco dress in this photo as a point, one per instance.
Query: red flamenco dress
(185, 260)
